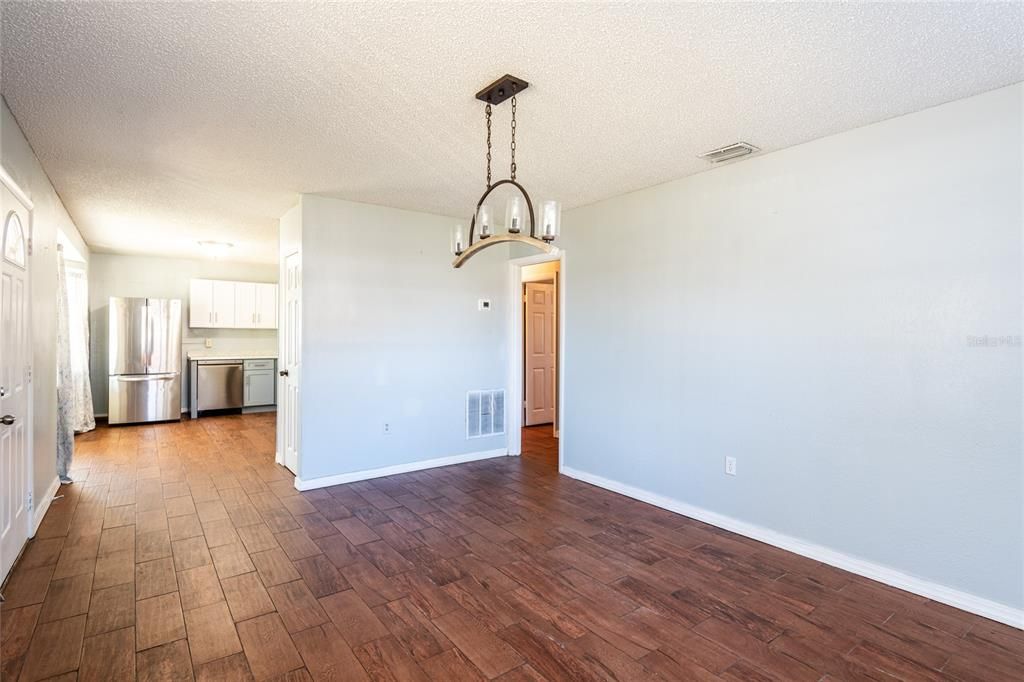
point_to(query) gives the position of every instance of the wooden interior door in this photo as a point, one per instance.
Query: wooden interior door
(289, 409)
(540, 354)
(15, 377)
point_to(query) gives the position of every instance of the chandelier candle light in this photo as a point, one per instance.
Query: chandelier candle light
(519, 208)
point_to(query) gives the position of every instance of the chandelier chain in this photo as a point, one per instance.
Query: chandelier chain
(487, 111)
(513, 144)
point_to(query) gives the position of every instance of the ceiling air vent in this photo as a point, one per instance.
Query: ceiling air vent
(732, 151)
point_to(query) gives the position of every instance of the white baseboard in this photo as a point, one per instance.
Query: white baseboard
(42, 505)
(325, 481)
(883, 574)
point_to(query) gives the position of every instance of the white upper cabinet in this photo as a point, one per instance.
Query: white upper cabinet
(238, 305)
(266, 306)
(200, 303)
(223, 304)
(245, 304)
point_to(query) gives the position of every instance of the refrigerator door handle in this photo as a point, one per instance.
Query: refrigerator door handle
(149, 338)
(146, 377)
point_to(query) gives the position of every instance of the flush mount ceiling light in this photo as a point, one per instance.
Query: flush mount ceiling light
(518, 207)
(215, 249)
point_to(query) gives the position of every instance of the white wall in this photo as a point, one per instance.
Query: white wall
(48, 220)
(811, 312)
(154, 277)
(391, 332)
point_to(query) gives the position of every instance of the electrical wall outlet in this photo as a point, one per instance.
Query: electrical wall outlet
(386, 429)
(208, 343)
(483, 304)
(730, 466)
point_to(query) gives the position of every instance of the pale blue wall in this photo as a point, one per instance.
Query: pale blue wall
(391, 332)
(809, 313)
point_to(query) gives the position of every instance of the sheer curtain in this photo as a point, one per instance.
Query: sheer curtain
(74, 393)
(78, 334)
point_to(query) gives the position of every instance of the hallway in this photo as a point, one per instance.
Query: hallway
(182, 550)
(540, 445)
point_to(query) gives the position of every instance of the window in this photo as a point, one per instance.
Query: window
(15, 246)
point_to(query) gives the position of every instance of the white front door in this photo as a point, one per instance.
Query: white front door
(14, 380)
(291, 361)
(540, 354)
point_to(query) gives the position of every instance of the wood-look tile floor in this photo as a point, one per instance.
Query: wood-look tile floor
(183, 551)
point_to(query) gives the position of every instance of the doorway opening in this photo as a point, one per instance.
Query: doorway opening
(535, 378)
(540, 360)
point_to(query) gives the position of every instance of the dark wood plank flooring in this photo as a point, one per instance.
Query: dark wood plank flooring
(183, 551)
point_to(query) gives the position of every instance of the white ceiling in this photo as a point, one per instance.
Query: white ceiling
(161, 124)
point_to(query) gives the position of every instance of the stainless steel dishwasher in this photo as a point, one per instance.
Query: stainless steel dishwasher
(220, 384)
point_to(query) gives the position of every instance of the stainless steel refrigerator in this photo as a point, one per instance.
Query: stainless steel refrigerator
(145, 360)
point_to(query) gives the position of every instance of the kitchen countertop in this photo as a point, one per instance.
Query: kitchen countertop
(219, 355)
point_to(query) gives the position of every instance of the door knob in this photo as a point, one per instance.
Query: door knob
(7, 419)
(283, 373)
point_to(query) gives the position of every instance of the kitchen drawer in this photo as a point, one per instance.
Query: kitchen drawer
(259, 364)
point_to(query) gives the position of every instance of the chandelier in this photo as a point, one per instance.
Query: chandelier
(518, 208)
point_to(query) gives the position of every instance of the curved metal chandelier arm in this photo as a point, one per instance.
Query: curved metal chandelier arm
(544, 247)
(483, 198)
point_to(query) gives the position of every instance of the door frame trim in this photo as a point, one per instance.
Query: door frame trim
(10, 184)
(15, 189)
(279, 381)
(514, 392)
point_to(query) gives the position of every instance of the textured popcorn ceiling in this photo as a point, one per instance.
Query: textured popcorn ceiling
(161, 124)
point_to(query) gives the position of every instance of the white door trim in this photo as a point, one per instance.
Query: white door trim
(23, 197)
(514, 381)
(9, 182)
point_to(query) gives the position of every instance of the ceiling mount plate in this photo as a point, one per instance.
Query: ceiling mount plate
(501, 89)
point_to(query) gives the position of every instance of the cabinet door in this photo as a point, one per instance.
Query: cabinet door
(259, 388)
(266, 306)
(223, 304)
(200, 303)
(245, 304)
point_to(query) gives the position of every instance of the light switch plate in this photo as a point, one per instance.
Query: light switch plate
(208, 343)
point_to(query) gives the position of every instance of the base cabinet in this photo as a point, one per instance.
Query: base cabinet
(259, 388)
(259, 383)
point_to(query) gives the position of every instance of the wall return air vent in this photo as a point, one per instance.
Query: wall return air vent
(485, 413)
(731, 151)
